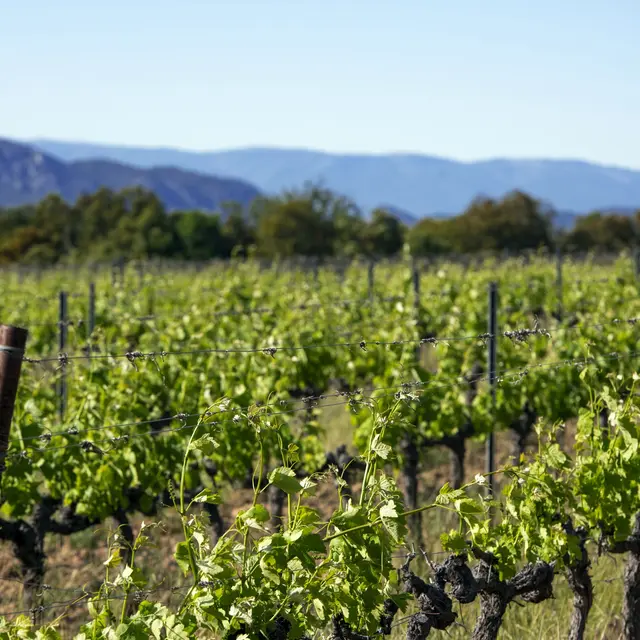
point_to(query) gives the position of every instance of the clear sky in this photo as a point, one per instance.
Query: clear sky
(459, 78)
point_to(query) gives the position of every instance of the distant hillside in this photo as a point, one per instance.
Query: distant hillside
(27, 175)
(566, 219)
(422, 185)
(404, 216)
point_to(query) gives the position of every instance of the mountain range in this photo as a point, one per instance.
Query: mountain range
(27, 175)
(416, 184)
(410, 186)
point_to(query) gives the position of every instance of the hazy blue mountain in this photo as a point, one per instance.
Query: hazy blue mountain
(567, 219)
(419, 184)
(27, 175)
(404, 216)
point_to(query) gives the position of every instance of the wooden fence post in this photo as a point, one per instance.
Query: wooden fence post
(12, 343)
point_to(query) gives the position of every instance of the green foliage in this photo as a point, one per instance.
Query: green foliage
(228, 381)
(609, 232)
(515, 223)
(313, 221)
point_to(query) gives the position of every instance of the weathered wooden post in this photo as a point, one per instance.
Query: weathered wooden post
(12, 343)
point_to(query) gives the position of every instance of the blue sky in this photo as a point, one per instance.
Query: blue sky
(459, 78)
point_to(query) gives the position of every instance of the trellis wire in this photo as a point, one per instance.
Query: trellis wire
(515, 334)
(309, 402)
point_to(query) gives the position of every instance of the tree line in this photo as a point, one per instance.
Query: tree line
(313, 221)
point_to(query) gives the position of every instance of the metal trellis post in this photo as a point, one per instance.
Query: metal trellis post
(62, 343)
(492, 360)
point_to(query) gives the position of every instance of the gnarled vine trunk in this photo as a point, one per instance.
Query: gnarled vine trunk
(631, 603)
(27, 540)
(410, 483)
(603, 419)
(533, 583)
(212, 510)
(457, 445)
(215, 519)
(456, 462)
(276, 505)
(346, 466)
(27, 537)
(581, 586)
(435, 605)
(521, 429)
(631, 599)
(493, 606)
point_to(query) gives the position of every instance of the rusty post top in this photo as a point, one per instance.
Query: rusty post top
(12, 339)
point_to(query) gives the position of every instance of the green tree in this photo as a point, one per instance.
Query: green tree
(54, 218)
(516, 223)
(200, 235)
(16, 245)
(100, 213)
(296, 224)
(384, 235)
(144, 231)
(349, 227)
(237, 230)
(602, 232)
(429, 237)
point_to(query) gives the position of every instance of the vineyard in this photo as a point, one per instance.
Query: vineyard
(267, 451)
